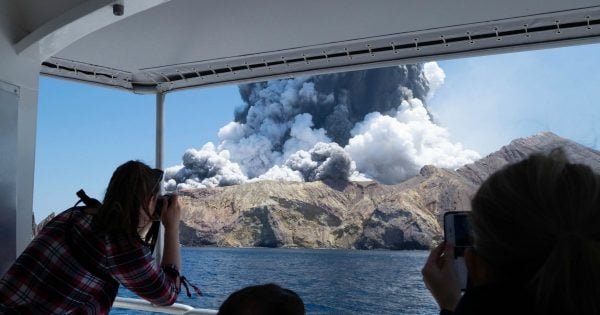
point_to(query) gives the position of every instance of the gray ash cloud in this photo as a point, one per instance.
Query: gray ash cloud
(354, 125)
(338, 101)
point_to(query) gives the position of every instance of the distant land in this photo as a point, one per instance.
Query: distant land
(351, 215)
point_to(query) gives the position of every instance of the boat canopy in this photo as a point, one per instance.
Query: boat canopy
(158, 46)
(168, 45)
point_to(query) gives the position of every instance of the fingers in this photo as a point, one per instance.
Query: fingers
(435, 254)
(174, 201)
(449, 252)
(172, 215)
(440, 278)
(441, 256)
(175, 205)
(432, 265)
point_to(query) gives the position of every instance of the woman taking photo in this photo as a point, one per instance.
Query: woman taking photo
(536, 233)
(77, 261)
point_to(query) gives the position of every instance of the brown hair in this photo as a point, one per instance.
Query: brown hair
(536, 225)
(265, 299)
(129, 190)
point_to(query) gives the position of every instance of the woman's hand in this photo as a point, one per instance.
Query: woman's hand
(440, 277)
(171, 215)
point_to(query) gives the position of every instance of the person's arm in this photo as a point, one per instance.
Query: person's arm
(170, 219)
(440, 278)
(130, 263)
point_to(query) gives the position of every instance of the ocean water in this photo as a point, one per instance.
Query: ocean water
(328, 281)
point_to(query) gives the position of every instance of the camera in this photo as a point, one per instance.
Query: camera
(160, 201)
(152, 235)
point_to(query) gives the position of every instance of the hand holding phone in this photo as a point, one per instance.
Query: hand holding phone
(457, 231)
(440, 276)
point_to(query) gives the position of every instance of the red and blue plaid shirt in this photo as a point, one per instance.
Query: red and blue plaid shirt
(71, 269)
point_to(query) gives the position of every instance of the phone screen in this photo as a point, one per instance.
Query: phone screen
(458, 232)
(462, 234)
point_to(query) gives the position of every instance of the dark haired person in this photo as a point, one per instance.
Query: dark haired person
(77, 261)
(536, 227)
(265, 299)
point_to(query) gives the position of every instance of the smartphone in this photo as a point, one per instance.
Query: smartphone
(458, 232)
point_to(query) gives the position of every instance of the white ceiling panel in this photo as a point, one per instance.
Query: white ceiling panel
(185, 43)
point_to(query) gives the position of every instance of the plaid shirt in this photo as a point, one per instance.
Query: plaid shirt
(70, 269)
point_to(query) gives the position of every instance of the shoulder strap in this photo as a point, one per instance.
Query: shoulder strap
(185, 283)
(170, 269)
(87, 201)
(152, 235)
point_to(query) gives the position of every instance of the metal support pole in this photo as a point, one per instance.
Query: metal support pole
(160, 121)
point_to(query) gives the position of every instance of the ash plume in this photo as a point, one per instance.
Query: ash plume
(359, 125)
(336, 101)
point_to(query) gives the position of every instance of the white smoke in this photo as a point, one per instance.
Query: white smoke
(281, 173)
(275, 127)
(435, 75)
(203, 168)
(359, 125)
(323, 161)
(303, 136)
(392, 149)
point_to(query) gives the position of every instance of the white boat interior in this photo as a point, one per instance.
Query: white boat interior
(161, 46)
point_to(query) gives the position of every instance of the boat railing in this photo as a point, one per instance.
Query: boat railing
(177, 308)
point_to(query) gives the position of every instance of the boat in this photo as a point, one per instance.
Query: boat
(164, 46)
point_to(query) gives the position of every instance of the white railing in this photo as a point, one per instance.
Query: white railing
(142, 305)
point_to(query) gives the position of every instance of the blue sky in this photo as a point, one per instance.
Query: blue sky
(487, 101)
(85, 131)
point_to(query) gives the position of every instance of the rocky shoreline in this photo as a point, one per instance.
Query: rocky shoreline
(351, 215)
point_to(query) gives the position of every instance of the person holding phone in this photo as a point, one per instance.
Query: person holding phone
(78, 260)
(536, 243)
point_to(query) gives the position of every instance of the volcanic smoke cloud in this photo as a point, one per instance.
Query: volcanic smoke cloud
(361, 125)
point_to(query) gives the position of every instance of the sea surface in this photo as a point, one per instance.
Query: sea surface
(328, 281)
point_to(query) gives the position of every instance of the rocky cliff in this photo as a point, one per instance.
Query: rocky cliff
(520, 148)
(330, 214)
(361, 215)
